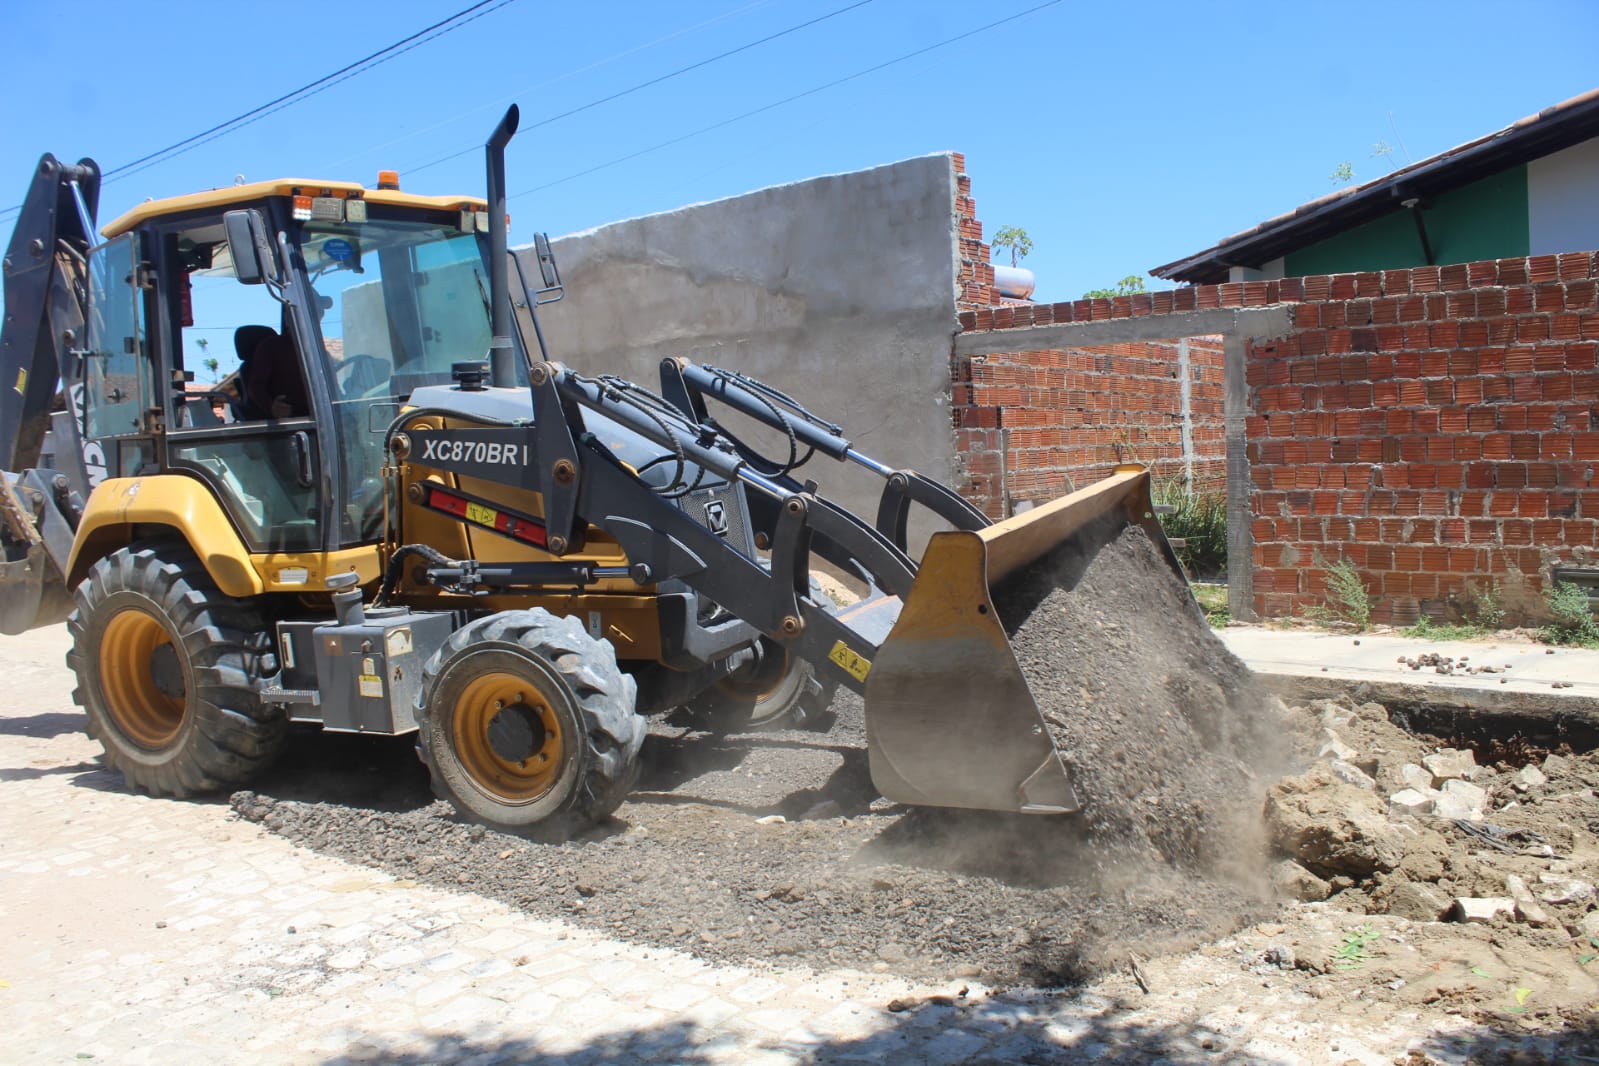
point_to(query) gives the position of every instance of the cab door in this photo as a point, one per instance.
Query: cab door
(115, 394)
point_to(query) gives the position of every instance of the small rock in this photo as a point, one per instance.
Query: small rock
(1351, 775)
(1528, 778)
(1409, 801)
(1527, 908)
(893, 953)
(1333, 747)
(586, 890)
(771, 819)
(1564, 889)
(1416, 777)
(1468, 793)
(898, 1006)
(1417, 902)
(1556, 764)
(1280, 956)
(1449, 763)
(1452, 805)
(1482, 908)
(1293, 881)
(163, 925)
(1589, 925)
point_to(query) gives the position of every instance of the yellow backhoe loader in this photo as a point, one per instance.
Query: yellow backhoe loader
(400, 515)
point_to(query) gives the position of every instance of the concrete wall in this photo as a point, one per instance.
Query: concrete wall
(839, 290)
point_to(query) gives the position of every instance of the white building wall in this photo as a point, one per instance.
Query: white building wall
(1563, 200)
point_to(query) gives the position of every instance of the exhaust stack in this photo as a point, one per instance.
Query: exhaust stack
(502, 354)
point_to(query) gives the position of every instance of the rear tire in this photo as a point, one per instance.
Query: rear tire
(166, 666)
(526, 722)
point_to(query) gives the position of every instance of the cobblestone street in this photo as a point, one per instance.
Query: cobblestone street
(160, 931)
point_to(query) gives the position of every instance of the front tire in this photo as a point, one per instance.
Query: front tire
(166, 666)
(526, 722)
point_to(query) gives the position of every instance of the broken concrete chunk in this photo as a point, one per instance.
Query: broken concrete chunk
(1589, 925)
(1450, 763)
(1556, 764)
(1482, 908)
(1415, 777)
(1293, 881)
(1351, 775)
(1417, 902)
(1409, 801)
(1527, 908)
(1528, 778)
(1467, 792)
(1559, 889)
(1332, 747)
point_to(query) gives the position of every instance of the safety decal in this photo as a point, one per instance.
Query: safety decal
(857, 666)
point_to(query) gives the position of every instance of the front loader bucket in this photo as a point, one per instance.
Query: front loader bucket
(950, 720)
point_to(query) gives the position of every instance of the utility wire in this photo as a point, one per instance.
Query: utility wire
(654, 81)
(787, 99)
(327, 81)
(568, 75)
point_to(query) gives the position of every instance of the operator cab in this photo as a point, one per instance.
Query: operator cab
(291, 320)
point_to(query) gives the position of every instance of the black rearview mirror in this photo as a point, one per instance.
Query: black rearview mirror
(247, 246)
(548, 271)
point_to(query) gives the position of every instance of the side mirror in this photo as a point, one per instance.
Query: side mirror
(548, 271)
(248, 246)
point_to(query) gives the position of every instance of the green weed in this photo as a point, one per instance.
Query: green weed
(1352, 952)
(1574, 621)
(1200, 521)
(1347, 598)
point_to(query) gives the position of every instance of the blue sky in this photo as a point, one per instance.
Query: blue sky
(1120, 137)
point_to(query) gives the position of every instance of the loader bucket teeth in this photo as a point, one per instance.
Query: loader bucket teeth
(950, 718)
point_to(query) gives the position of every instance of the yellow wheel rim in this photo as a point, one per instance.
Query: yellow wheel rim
(507, 737)
(146, 715)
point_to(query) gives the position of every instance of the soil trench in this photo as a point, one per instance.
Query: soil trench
(1161, 726)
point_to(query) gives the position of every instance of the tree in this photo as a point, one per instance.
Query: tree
(210, 362)
(1343, 173)
(1014, 238)
(1127, 286)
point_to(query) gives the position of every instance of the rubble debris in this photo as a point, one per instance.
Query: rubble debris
(1482, 908)
(1292, 881)
(1332, 828)
(1417, 901)
(1448, 763)
(1448, 664)
(1409, 802)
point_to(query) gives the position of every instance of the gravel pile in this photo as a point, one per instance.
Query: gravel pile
(1170, 740)
(1138, 691)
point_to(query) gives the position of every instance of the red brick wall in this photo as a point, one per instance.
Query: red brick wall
(1068, 417)
(1437, 427)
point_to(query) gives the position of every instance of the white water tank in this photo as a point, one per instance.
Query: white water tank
(1014, 283)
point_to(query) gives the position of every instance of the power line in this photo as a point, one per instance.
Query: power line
(500, 102)
(327, 81)
(787, 100)
(655, 81)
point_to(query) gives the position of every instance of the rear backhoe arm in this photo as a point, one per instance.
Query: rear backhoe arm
(44, 320)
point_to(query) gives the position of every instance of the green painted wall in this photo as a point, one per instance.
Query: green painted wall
(1484, 220)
